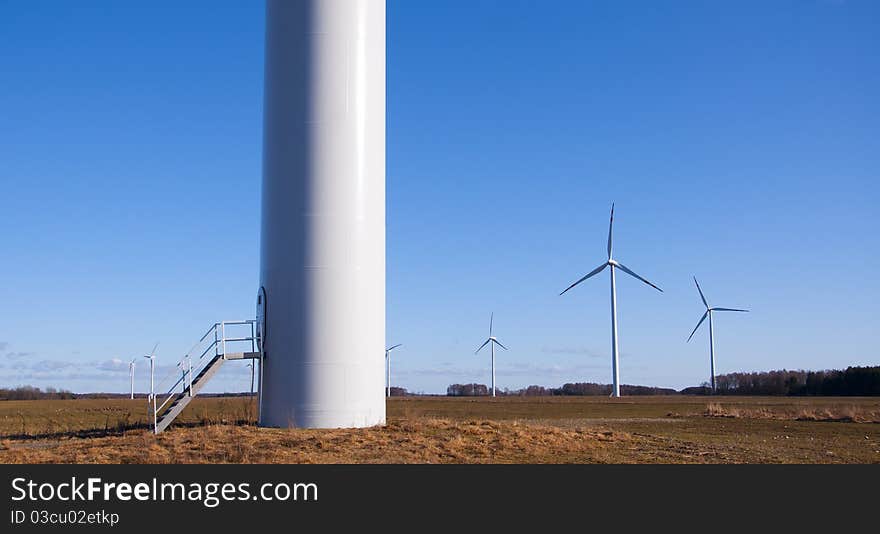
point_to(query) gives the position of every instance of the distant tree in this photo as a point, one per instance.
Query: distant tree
(645, 390)
(467, 390)
(704, 389)
(535, 391)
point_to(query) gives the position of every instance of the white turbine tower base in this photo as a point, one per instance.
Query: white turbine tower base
(708, 313)
(492, 341)
(322, 243)
(614, 265)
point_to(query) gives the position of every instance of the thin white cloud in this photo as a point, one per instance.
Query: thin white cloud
(60, 372)
(54, 365)
(13, 355)
(581, 351)
(19, 355)
(535, 370)
(114, 365)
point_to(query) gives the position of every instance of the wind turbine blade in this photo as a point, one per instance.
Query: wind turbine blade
(629, 272)
(499, 344)
(729, 309)
(703, 318)
(610, 228)
(483, 345)
(491, 320)
(701, 292)
(394, 347)
(156, 346)
(595, 271)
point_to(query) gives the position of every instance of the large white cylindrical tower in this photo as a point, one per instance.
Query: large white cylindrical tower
(323, 214)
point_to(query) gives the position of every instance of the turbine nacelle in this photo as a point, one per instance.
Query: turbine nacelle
(709, 309)
(152, 352)
(491, 339)
(611, 262)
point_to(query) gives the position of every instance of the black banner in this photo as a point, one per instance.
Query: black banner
(48, 498)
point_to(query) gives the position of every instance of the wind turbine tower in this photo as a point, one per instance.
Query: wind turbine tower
(709, 311)
(388, 368)
(321, 300)
(614, 265)
(492, 341)
(151, 400)
(131, 377)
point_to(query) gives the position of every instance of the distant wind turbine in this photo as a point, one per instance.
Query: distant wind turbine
(151, 401)
(253, 372)
(492, 341)
(152, 358)
(388, 368)
(131, 376)
(708, 314)
(614, 265)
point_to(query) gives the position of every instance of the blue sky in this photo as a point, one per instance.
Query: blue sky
(738, 139)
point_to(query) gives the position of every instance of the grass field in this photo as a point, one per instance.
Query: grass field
(676, 429)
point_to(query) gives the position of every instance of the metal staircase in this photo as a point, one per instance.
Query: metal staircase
(193, 373)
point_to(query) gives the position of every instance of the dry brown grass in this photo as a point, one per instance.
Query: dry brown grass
(404, 441)
(844, 413)
(445, 430)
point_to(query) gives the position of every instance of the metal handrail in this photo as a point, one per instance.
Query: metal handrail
(185, 367)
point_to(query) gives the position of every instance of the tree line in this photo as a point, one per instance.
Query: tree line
(34, 393)
(852, 381)
(570, 389)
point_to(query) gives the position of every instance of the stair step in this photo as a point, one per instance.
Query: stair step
(183, 399)
(242, 355)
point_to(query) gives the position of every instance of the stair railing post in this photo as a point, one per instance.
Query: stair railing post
(260, 392)
(182, 368)
(223, 337)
